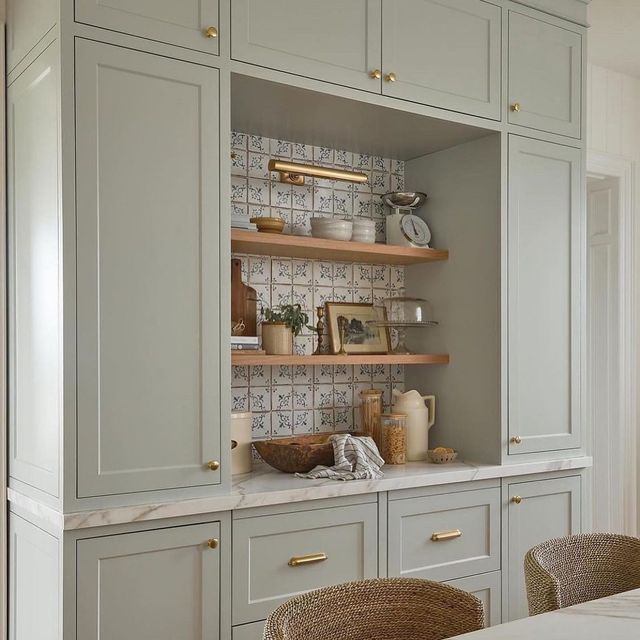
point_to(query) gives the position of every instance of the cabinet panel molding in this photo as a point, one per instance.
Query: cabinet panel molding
(488, 588)
(148, 275)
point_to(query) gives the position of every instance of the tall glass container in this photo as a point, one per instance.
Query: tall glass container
(393, 434)
(370, 411)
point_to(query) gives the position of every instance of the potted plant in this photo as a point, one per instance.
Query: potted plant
(279, 328)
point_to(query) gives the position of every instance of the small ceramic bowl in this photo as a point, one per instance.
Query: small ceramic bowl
(364, 230)
(268, 225)
(442, 455)
(331, 228)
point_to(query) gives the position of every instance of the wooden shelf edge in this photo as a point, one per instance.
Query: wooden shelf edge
(421, 358)
(270, 244)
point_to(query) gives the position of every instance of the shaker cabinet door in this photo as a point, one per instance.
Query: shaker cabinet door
(150, 585)
(332, 40)
(148, 290)
(184, 23)
(544, 247)
(537, 511)
(444, 53)
(545, 76)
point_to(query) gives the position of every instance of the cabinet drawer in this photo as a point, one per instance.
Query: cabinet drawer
(342, 539)
(446, 536)
(487, 587)
(251, 631)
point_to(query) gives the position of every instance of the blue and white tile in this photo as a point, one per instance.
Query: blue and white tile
(343, 203)
(396, 182)
(302, 272)
(258, 144)
(396, 277)
(381, 164)
(380, 373)
(362, 373)
(343, 419)
(380, 276)
(238, 140)
(302, 197)
(281, 271)
(240, 399)
(259, 210)
(322, 200)
(263, 295)
(238, 189)
(397, 166)
(379, 182)
(258, 191)
(322, 274)
(280, 148)
(282, 423)
(377, 208)
(343, 158)
(361, 161)
(303, 345)
(397, 373)
(323, 420)
(259, 399)
(239, 210)
(342, 395)
(260, 376)
(303, 296)
(342, 274)
(282, 374)
(302, 422)
(342, 294)
(259, 269)
(300, 223)
(343, 373)
(379, 297)
(363, 187)
(324, 183)
(362, 275)
(238, 163)
(323, 155)
(261, 426)
(239, 376)
(280, 195)
(322, 295)
(281, 294)
(362, 295)
(301, 152)
(281, 397)
(323, 396)
(257, 166)
(381, 232)
(303, 374)
(323, 374)
(302, 396)
(362, 204)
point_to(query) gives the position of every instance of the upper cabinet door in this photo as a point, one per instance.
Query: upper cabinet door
(332, 40)
(545, 76)
(148, 275)
(444, 53)
(27, 23)
(544, 231)
(185, 23)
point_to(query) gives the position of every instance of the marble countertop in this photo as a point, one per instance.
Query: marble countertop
(613, 618)
(264, 487)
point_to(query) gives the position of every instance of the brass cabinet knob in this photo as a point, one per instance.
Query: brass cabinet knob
(211, 32)
(376, 74)
(213, 465)
(516, 440)
(516, 499)
(516, 107)
(213, 543)
(391, 77)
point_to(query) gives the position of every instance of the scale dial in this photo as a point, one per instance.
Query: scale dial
(415, 230)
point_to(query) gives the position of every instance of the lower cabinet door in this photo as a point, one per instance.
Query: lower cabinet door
(276, 557)
(251, 631)
(537, 511)
(149, 585)
(487, 587)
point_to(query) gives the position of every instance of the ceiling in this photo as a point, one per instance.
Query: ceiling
(614, 37)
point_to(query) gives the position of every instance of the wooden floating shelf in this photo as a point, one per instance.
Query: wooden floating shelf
(289, 246)
(391, 358)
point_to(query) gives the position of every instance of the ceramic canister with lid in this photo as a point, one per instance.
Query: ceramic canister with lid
(241, 460)
(421, 415)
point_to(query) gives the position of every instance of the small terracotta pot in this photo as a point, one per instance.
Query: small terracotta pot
(277, 339)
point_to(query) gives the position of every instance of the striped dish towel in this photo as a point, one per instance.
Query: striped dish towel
(356, 458)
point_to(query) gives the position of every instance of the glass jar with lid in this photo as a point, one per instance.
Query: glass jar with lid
(393, 437)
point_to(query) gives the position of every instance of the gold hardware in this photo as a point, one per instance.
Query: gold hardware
(391, 77)
(516, 440)
(296, 561)
(213, 543)
(446, 535)
(376, 74)
(294, 173)
(516, 499)
(516, 107)
(213, 465)
(211, 32)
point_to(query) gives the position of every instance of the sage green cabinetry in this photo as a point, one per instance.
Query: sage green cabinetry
(148, 280)
(162, 584)
(333, 40)
(444, 53)
(545, 232)
(545, 75)
(535, 511)
(186, 23)
(487, 587)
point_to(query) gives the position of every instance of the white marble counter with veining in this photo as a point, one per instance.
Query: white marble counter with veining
(613, 618)
(265, 487)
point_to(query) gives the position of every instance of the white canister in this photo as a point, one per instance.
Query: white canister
(241, 459)
(421, 415)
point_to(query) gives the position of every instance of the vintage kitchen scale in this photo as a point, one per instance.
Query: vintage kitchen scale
(404, 228)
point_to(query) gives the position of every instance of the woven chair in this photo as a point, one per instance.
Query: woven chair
(567, 571)
(381, 609)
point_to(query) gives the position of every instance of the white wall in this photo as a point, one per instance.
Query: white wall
(613, 127)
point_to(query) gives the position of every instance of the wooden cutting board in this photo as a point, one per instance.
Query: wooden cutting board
(244, 305)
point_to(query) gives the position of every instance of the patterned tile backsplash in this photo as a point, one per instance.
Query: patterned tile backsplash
(286, 400)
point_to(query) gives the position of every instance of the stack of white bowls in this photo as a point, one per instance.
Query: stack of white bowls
(331, 228)
(364, 230)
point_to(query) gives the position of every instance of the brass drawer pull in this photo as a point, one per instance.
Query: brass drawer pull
(296, 561)
(446, 535)
(211, 32)
(516, 499)
(213, 543)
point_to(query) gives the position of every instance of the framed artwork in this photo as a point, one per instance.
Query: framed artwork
(361, 335)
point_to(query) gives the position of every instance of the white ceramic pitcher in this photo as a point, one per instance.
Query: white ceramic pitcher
(421, 415)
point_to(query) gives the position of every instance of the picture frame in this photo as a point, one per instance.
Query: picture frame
(361, 338)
